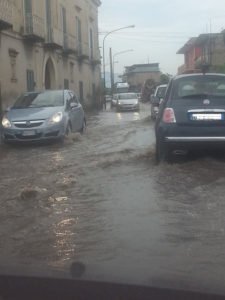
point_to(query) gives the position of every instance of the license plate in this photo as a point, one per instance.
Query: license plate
(206, 117)
(29, 133)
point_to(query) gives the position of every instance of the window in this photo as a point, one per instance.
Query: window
(200, 85)
(91, 43)
(81, 91)
(72, 72)
(64, 27)
(30, 81)
(79, 35)
(48, 19)
(28, 15)
(38, 100)
(13, 59)
(66, 84)
(94, 92)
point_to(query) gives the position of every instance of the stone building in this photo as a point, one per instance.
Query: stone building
(49, 44)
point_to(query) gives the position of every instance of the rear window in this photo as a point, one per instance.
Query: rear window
(199, 86)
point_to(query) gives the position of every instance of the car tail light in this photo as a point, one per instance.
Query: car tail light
(169, 116)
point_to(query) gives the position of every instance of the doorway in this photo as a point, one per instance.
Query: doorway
(49, 75)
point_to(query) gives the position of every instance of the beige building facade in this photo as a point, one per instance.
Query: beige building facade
(136, 75)
(49, 44)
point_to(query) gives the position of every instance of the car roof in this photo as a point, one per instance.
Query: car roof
(197, 74)
(162, 85)
(127, 93)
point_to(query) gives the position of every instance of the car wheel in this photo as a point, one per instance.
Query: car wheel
(84, 126)
(162, 151)
(65, 135)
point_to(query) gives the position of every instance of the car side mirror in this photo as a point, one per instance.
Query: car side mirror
(161, 101)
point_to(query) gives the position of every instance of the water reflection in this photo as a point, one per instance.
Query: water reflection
(119, 116)
(65, 242)
(137, 116)
(57, 157)
(133, 116)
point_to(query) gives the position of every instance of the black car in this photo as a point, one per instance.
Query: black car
(192, 115)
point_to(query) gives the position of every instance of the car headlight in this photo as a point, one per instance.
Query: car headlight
(119, 103)
(6, 123)
(56, 118)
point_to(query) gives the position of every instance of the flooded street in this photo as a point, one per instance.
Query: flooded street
(101, 200)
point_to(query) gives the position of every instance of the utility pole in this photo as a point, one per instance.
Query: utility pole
(1, 111)
(111, 70)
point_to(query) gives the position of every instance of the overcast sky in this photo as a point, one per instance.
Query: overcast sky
(161, 28)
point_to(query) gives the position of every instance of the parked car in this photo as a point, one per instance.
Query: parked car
(127, 101)
(43, 115)
(156, 98)
(191, 115)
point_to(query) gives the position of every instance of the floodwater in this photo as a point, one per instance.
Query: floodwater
(101, 200)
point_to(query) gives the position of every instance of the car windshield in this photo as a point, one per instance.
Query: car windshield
(127, 96)
(37, 100)
(200, 86)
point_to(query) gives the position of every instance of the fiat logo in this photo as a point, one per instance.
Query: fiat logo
(206, 102)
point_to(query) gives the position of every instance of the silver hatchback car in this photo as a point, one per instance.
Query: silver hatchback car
(47, 115)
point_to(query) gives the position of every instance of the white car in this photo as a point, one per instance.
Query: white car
(127, 101)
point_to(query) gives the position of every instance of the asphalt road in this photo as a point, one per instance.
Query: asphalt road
(101, 200)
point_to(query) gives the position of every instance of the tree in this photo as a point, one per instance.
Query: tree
(164, 78)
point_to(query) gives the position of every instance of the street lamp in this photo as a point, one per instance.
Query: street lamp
(103, 49)
(113, 63)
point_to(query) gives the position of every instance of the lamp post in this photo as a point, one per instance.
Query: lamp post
(103, 51)
(113, 63)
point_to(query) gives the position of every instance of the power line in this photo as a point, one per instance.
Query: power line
(154, 32)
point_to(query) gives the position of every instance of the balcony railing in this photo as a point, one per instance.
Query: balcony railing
(34, 28)
(6, 12)
(82, 51)
(54, 39)
(69, 44)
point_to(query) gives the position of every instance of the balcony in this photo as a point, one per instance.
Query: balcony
(54, 39)
(34, 30)
(69, 44)
(202, 60)
(6, 12)
(82, 52)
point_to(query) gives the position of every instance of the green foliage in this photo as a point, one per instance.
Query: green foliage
(219, 69)
(164, 78)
